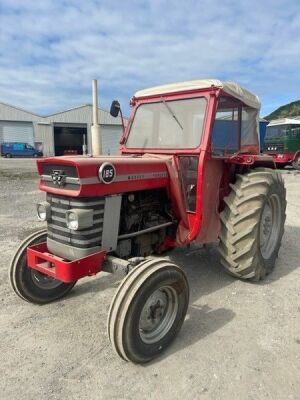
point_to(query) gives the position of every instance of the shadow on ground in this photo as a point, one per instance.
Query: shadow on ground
(206, 275)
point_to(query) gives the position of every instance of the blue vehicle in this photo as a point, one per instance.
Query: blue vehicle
(19, 150)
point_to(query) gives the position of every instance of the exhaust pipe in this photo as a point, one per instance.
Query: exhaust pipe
(95, 128)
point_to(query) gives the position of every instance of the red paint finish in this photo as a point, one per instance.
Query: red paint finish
(283, 158)
(39, 259)
(210, 221)
(195, 223)
(87, 168)
(249, 159)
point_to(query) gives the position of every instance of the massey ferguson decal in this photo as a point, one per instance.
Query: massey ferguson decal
(58, 177)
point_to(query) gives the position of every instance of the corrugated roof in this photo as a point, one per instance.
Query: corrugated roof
(20, 109)
(82, 113)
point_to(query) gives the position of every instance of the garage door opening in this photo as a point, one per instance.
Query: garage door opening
(69, 140)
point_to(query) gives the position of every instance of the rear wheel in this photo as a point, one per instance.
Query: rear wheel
(252, 224)
(8, 155)
(30, 284)
(296, 163)
(35, 155)
(148, 310)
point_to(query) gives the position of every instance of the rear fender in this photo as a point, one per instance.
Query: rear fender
(253, 160)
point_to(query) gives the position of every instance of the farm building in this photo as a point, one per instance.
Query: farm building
(59, 133)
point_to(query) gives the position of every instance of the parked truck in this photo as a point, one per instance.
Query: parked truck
(282, 142)
(190, 171)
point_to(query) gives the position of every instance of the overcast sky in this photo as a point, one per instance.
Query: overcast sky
(52, 49)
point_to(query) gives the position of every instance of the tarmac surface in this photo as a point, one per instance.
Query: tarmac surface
(240, 340)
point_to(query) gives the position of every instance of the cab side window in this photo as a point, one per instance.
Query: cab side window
(226, 129)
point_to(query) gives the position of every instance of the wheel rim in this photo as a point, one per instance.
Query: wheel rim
(43, 281)
(270, 224)
(158, 314)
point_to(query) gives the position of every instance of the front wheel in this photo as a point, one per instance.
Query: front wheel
(148, 310)
(30, 284)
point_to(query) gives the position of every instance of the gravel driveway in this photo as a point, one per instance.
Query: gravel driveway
(239, 341)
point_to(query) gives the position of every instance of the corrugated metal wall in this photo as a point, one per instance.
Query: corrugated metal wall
(83, 115)
(13, 131)
(110, 138)
(44, 134)
(11, 113)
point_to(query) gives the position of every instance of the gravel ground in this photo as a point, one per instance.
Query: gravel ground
(239, 340)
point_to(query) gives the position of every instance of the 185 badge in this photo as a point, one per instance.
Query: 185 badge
(107, 173)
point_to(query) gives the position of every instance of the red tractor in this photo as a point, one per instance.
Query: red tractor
(190, 171)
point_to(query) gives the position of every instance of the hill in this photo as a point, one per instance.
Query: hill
(287, 111)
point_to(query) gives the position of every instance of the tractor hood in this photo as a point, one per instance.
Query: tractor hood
(99, 176)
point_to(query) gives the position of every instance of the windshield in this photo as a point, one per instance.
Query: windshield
(277, 131)
(168, 124)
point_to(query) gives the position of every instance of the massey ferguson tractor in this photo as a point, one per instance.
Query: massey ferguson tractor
(190, 171)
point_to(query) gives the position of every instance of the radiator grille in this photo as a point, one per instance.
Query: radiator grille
(68, 172)
(274, 147)
(57, 227)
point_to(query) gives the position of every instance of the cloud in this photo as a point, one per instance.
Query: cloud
(51, 50)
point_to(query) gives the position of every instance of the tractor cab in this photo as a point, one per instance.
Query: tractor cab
(200, 128)
(190, 117)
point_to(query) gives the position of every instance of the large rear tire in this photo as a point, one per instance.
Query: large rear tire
(296, 163)
(30, 284)
(252, 224)
(148, 310)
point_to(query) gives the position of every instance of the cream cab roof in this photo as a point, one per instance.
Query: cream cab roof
(231, 88)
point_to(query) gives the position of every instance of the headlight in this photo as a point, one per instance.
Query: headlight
(77, 219)
(72, 220)
(43, 211)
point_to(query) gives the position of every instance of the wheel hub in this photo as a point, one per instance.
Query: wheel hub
(266, 222)
(270, 226)
(43, 281)
(153, 311)
(158, 314)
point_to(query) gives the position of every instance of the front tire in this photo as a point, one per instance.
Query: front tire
(148, 310)
(252, 224)
(30, 284)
